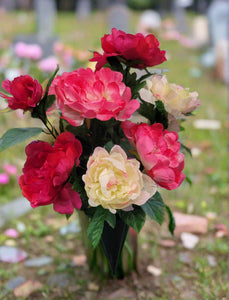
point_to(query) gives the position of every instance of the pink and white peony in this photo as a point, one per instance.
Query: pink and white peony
(115, 182)
(178, 101)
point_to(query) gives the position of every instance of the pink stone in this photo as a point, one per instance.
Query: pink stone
(190, 223)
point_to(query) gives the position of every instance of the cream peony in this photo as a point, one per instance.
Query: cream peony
(115, 182)
(177, 100)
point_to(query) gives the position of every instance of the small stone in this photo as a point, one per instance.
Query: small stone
(12, 254)
(196, 152)
(195, 72)
(79, 260)
(72, 227)
(39, 261)
(207, 124)
(184, 257)
(27, 288)
(122, 293)
(154, 270)
(211, 260)
(189, 240)
(59, 280)
(168, 243)
(93, 287)
(211, 215)
(219, 234)
(49, 238)
(55, 223)
(188, 294)
(222, 231)
(21, 227)
(12, 233)
(14, 282)
(190, 223)
(10, 243)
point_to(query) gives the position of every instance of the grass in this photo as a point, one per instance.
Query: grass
(208, 192)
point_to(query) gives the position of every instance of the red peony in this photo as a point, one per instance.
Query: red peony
(86, 94)
(159, 152)
(46, 172)
(137, 50)
(26, 92)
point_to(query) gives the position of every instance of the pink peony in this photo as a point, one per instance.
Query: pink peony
(31, 51)
(87, 94)
(10, 169)
(138, 50)
(4, 178)
(46, 172)
(48, 64)
(158, 150)
(26, 92)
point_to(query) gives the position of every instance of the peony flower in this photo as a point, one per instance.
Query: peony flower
(158, 150)
(10, 169)
(46, 172)
(87, 94)
(137, 50)
(4, 178)
(31, 51)
(48, 64)
(114, 181)
(26, 92)
(177, 100)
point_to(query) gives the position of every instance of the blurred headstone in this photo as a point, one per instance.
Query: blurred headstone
(103, 4)
(7, 4)
(83, 8)
(45, 11)
(200, 31)
(23, 4)
(218, 30)
(202, 6)
(149, 22)
(222, 61)
(118, 17)
(218, 20)
(45, 18)
(180, 13)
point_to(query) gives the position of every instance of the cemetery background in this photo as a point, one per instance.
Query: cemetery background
(169, 268)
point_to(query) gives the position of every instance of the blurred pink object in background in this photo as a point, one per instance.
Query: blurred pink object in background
(31, 51)
(10, 169)
(48, 64)
(4, 178)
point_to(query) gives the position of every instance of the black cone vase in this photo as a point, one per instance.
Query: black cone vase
(112, 241)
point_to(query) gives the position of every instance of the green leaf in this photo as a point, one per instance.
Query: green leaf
(111, 219)
(49, 101)
(161, 114)
(68, 216)
(95, 227)
(155, 208)
(17, 135)
(134, 218)
(172, 223)
(50, 82)
(108, 146)
(185, 149)
(188, 179)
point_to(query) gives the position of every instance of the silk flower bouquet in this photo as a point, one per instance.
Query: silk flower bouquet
(112, 143)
